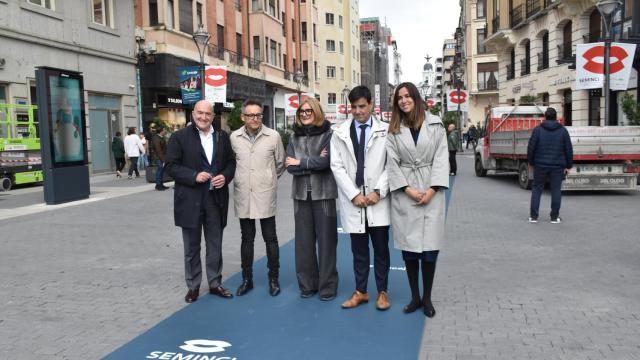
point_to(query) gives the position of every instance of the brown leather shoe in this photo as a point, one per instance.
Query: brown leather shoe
(192, 295)
(382, 302)
(220, 291)
(356, 299)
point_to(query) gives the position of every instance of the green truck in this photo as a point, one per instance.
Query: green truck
(20, 158)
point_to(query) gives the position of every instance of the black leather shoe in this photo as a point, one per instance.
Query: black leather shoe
(245, 287)
(161, 188)
(305, 294)
(220, 291)
(327, 297)
(411, 307)
(274, 287)
(428, 310)
(192, 295)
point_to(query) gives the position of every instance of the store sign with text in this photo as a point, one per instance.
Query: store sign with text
(590, 65)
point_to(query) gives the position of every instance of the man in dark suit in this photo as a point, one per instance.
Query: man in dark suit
(202, 163)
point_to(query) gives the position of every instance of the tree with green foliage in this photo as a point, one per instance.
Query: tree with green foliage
(631, 109)
(435, 109)
(234, 121)
(528, 100)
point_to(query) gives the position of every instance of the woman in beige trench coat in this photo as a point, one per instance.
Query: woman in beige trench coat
(418, 171)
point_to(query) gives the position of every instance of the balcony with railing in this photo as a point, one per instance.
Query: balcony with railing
(516, 16)
(543, 60)
(233, 57)
(488, 85)
(534, 6)
(525, 67)
(511, 72)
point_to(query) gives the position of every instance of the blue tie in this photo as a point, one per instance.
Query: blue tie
(360, 157)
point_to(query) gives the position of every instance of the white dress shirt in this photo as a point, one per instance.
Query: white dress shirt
(206, 139)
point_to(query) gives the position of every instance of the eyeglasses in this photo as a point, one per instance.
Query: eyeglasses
(254, 116)
(305, 112)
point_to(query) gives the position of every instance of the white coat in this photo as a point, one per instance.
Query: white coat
(133, 146)
(344, 166)
(418, 228)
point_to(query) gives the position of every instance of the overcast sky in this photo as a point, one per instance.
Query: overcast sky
(419, 27)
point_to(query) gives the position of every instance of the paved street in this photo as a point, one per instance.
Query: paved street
(80, 280)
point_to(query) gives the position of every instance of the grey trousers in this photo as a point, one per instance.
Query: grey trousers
(210, 219)
(315, 225)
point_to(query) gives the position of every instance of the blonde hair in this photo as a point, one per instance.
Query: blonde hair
(318, 114)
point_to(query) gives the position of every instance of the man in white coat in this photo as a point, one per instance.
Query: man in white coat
(358, 156)
(260, 159)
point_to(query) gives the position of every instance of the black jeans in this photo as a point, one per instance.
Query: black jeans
(540, 174)
(133, 166)
(453, 165)
(248, 230)
(120, 163)
(360, 249)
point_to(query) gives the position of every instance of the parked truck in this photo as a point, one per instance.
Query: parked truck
(20, 158)
(604, 158)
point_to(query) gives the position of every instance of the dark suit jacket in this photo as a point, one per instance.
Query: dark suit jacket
(184, 162)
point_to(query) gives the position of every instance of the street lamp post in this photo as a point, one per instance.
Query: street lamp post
(140, 57)
(201, 37)
(606, 9)
(345, 94)
(458, 72)
(298, 78)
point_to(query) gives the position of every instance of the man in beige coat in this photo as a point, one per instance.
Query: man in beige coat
(259, 162)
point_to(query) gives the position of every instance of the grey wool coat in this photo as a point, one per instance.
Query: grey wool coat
(418, 228)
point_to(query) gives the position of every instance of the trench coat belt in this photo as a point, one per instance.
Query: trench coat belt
(415, 165)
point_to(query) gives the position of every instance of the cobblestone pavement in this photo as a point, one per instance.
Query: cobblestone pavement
(82, 279)
(507, 289)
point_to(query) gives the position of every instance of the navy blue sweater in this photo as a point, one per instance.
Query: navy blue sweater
(550, 146)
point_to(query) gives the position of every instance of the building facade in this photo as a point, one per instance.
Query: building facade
(448, 62)
(338, 55)
(259, 41)
(95, 38)
(374, 61)
(480, 64)
(535, 41)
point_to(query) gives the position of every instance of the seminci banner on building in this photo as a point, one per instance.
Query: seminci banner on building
(190, 84)
(590, 65)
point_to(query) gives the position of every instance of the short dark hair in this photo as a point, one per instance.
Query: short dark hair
(249, 102)
(358, 92)
(550, 114)
(132, 130)
(118, 133)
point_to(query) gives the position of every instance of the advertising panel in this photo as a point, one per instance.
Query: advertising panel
(190, 84)
(590, 65)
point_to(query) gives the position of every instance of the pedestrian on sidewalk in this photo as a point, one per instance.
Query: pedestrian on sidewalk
(201, 161)
(117, 147)
(314, 192)
(453, 142)
(550, 153)
(417, 170)
(143, 160)
(133, 147)
(358, 159)
(472, 137)
(158, 153)
(259, 163)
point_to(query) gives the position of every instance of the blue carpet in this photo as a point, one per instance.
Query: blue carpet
(258, 326)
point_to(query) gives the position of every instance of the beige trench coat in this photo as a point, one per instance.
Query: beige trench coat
(258, 166)
(418, 228)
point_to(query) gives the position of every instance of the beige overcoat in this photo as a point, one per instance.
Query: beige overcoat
(418, 228)
(258, 166)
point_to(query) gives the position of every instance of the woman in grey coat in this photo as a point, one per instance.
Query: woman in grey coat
(314, 192)
(418, 169)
